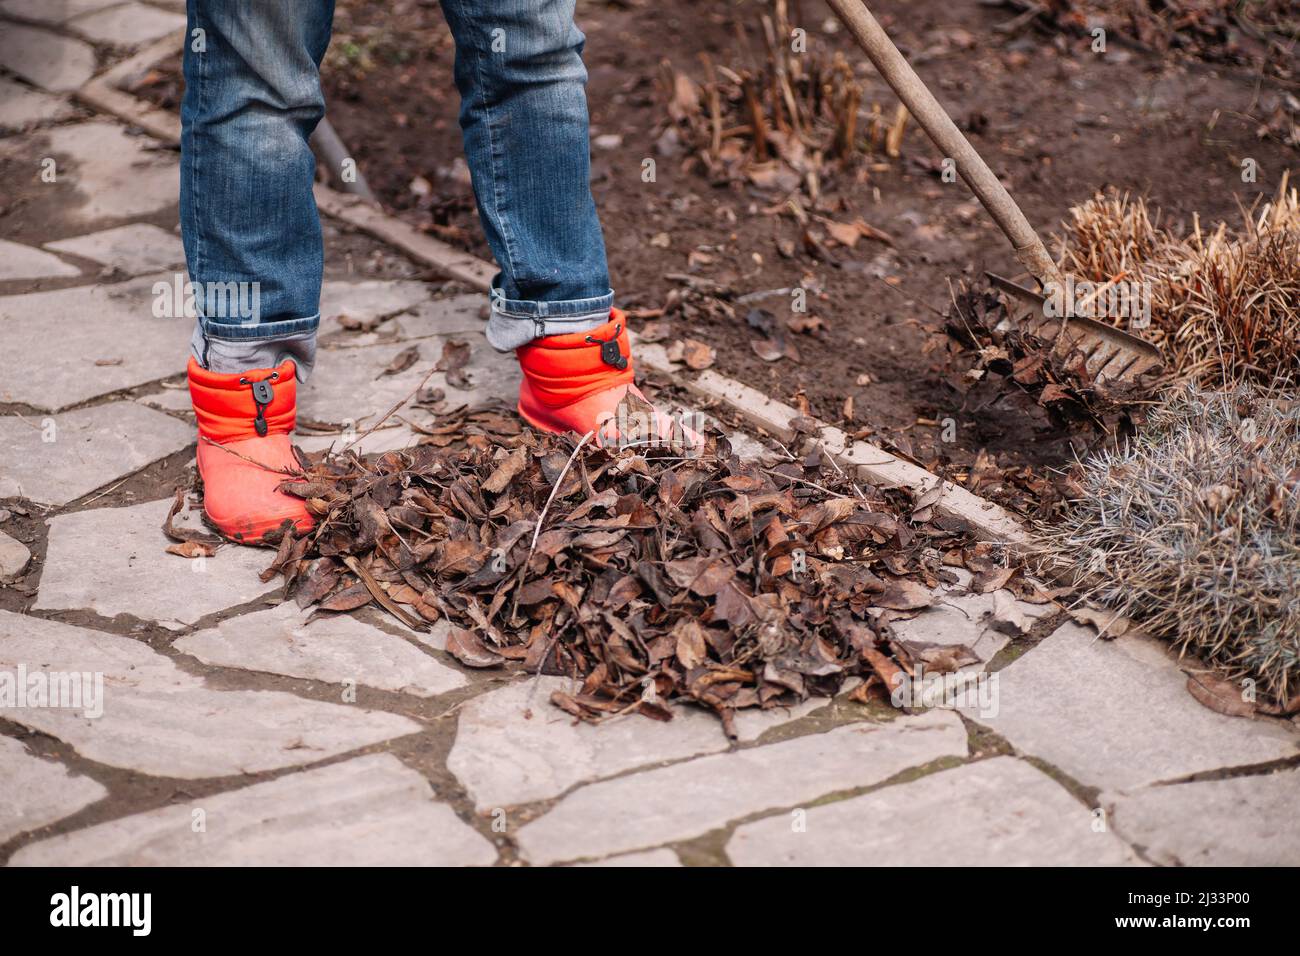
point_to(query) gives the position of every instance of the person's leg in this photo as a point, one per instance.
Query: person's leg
(252, 245)
(249, 223)
(524, 116)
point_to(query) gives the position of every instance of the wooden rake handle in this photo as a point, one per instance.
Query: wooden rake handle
(938, 125)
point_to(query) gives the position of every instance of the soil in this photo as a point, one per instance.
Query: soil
(1056, 121)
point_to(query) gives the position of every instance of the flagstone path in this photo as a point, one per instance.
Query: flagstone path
(220, 727)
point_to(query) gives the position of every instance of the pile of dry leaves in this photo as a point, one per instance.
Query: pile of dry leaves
(647, 574)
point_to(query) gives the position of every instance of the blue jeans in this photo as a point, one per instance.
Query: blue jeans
(248, 219)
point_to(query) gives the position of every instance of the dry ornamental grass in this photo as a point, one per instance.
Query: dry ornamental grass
(1225, 304)
(1193, 529)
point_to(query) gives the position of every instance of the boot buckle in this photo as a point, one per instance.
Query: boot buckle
(610, 353)
(262, 395)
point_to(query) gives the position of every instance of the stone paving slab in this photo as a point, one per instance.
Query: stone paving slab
(14, 557)
(367, 299)
(114, 561)
(998, 812)
(368, 811)
(54, 340)
(135, 249)
(23, 262)
(689, 799)
(103, 172)
(22, 106)
(1239, 821)
(1117, 715)
(513, 747)
(52, 11)
(457, 315)
(334, 649)
(962, 617)
(128, 25)
(53, 62)
(90, 448)
(37, 792)
(54, 371)
(656, 858)
(958, 618)
(160, 720)
(170, 400)
(348, 384)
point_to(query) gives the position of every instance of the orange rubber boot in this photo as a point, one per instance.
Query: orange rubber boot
(575, 382)
(244, 450)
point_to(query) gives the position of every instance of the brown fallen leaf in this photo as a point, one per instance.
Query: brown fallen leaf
(1222, 696)
(465, 646)
(388, 604)
(1109, 624)
(349, 599)
(993, 579)
(192, 549)
(846, 234)
(902, 594)
(938, 658)
(510, 466)
(182, 534)
(1007, 616)
(401, 361)
(697, 355)
(889, 673)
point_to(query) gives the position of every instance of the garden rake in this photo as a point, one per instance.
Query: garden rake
(1109, 353)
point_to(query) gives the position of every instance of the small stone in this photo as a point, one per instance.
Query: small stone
(114, 561)
(334, 649)
(59, 458)
(998, 812)
(688, 799)
(1237, 821)
(38, 792)
(14, 557)
(134, 249)
(150, 716)
(53, 62)
(368, 811)
(21, 106)
(128, 25)
(1117, 715)
(23, 262)
(512, 746)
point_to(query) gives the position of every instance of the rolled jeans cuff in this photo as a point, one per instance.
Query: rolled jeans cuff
(516, 322)
(229, 348)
